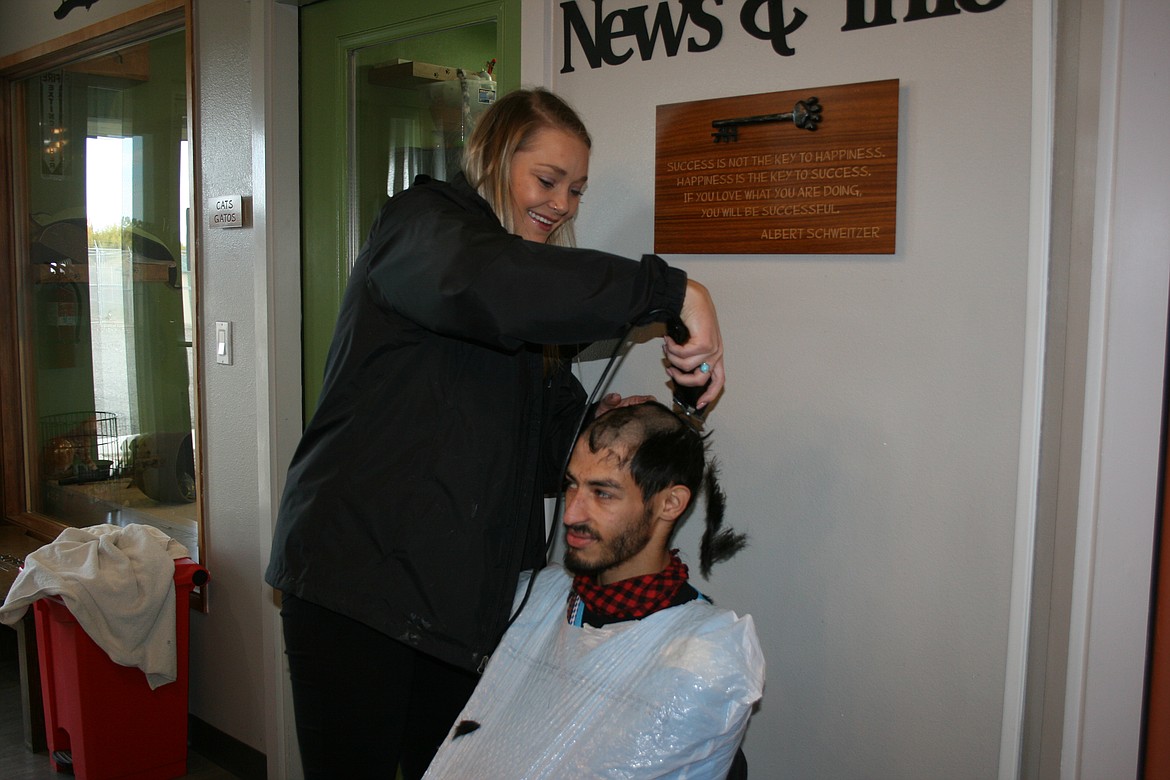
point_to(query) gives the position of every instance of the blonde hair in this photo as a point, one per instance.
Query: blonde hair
(508, 126)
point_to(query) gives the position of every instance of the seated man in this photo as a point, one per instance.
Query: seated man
(618, 668)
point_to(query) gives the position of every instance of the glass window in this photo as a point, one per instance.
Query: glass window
(383, 99)
(412, 103)
(108, 291)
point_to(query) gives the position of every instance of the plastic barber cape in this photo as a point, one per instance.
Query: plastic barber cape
(667, 696)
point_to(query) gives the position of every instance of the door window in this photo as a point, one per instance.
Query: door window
(388, 91)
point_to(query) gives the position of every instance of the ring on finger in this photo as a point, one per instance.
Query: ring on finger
(705, 368)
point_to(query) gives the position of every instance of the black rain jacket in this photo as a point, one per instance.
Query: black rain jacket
(414, 498)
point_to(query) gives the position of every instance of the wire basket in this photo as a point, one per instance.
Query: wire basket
(79, 447)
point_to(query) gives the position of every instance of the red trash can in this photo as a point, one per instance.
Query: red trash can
(103, 718)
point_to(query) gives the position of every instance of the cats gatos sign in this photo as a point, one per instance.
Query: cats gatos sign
(615, 34)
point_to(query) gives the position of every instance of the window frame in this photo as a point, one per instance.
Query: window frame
(18, 441)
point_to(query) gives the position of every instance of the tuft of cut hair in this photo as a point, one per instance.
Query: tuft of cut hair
(718, 543)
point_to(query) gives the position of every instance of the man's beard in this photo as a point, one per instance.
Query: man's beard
(613, 552)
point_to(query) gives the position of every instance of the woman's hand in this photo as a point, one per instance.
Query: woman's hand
(611, 401)
(704, 349)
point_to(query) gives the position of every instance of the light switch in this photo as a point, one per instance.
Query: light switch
(223, 343)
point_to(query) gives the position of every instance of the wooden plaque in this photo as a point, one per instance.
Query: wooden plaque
(777, 188)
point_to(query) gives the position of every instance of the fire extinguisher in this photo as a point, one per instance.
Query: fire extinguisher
(64, 324)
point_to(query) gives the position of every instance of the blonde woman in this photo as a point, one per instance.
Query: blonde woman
(415, 496)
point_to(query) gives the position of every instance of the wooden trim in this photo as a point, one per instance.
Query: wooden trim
(1156, 752)
(199, 596)
(134, 25)
(37, 525)
(11, 450)
(15, 417)
(22, 328)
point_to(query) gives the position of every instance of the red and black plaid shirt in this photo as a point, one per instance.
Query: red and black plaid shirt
(633, 598)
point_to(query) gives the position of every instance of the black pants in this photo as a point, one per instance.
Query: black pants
(365, 702)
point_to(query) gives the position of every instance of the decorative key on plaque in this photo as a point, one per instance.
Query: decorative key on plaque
(806, 115)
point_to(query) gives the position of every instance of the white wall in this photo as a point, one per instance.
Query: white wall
(870, 435)
(1121, 472)
(226, 649)
(250, 145)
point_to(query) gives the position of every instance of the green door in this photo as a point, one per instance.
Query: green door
(388, 90)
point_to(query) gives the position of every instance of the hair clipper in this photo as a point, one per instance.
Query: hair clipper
(685, 397)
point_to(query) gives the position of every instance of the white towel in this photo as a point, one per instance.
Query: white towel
(118, 582)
